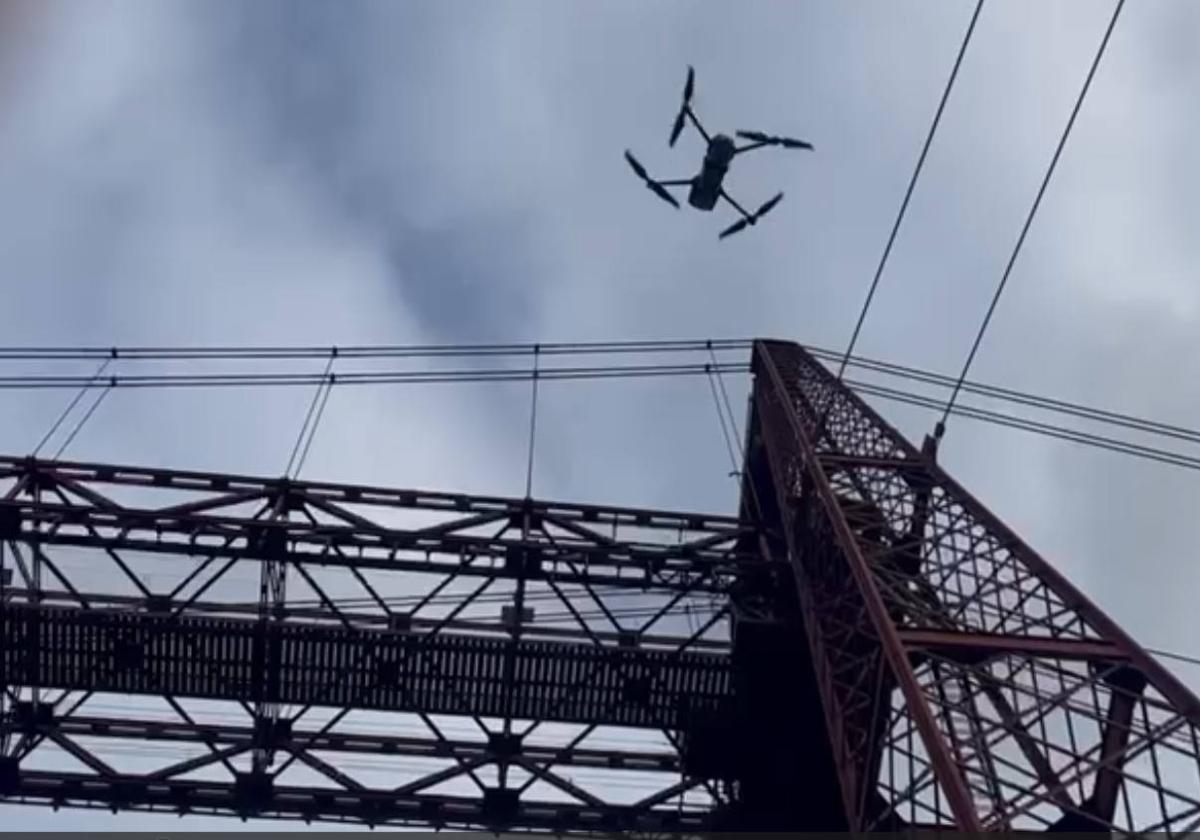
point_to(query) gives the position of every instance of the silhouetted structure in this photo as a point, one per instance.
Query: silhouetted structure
(873, 650)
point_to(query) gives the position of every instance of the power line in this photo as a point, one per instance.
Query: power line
(912, 183)
(1032, 212)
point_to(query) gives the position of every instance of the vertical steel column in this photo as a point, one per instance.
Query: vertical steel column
(964, 682)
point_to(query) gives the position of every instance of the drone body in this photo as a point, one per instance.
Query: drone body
(707, 187)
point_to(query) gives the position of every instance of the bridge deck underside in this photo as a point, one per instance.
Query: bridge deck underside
(323, 665)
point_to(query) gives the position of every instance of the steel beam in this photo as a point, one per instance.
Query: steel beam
(325, 664)
(965, 683)
(372, 807)
(362, 743)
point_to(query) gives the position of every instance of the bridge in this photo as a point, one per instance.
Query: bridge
(861, 646)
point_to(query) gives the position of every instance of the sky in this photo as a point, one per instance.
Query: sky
(350, 173)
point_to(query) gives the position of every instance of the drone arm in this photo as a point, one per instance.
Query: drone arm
(750, 148)
(692, 116)
(736, 206)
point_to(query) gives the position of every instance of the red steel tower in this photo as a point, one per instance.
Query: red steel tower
(960, 680)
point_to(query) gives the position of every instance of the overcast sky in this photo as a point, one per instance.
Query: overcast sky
(353, 172)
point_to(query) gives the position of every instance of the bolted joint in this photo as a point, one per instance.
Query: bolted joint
(266, 543)
(10, 521)
(252, 792)
(269, 734)
(1125, 678)
(523, 561)
(30, 717)
(510, 618)
(10, 774)
(500, 805)
(158, 604)
(504, 746)
(526, 513)
(126, 792)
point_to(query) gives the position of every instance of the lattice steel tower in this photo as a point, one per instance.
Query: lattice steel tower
(863, 647)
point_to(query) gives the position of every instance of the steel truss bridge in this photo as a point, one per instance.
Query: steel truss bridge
(862, 647)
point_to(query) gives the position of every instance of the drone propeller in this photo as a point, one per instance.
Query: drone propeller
(688, 88)
(767, 206)
(677, 129)
(654, 186)
(753, 218)
(740, 224)
(766, 139)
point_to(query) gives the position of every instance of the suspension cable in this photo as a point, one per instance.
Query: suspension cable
(747, 482)
(71, 406)
(316, 422)
(1086, 412)
(533, 404)
(912, 183)
(82, 422)
(1062, 141)
(570, 348)
(733, 459)
(312, 407)
(1046, 429)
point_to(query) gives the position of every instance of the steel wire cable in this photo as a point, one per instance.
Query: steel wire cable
(700, 345)
(1024, 424)
(1037, 201)
(912, 183)
(635, 371)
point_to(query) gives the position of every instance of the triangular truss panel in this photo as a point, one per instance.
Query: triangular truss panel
(964, 682)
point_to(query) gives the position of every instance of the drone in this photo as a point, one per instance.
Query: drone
(706, 187)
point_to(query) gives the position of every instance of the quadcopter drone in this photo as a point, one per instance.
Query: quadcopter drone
(706, 187)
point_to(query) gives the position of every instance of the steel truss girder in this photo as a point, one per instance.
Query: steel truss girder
(365, 620)
(565, 545)
(361, 743)
(325, 664)
(267, 655)
(932, 623)
(370, 806)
